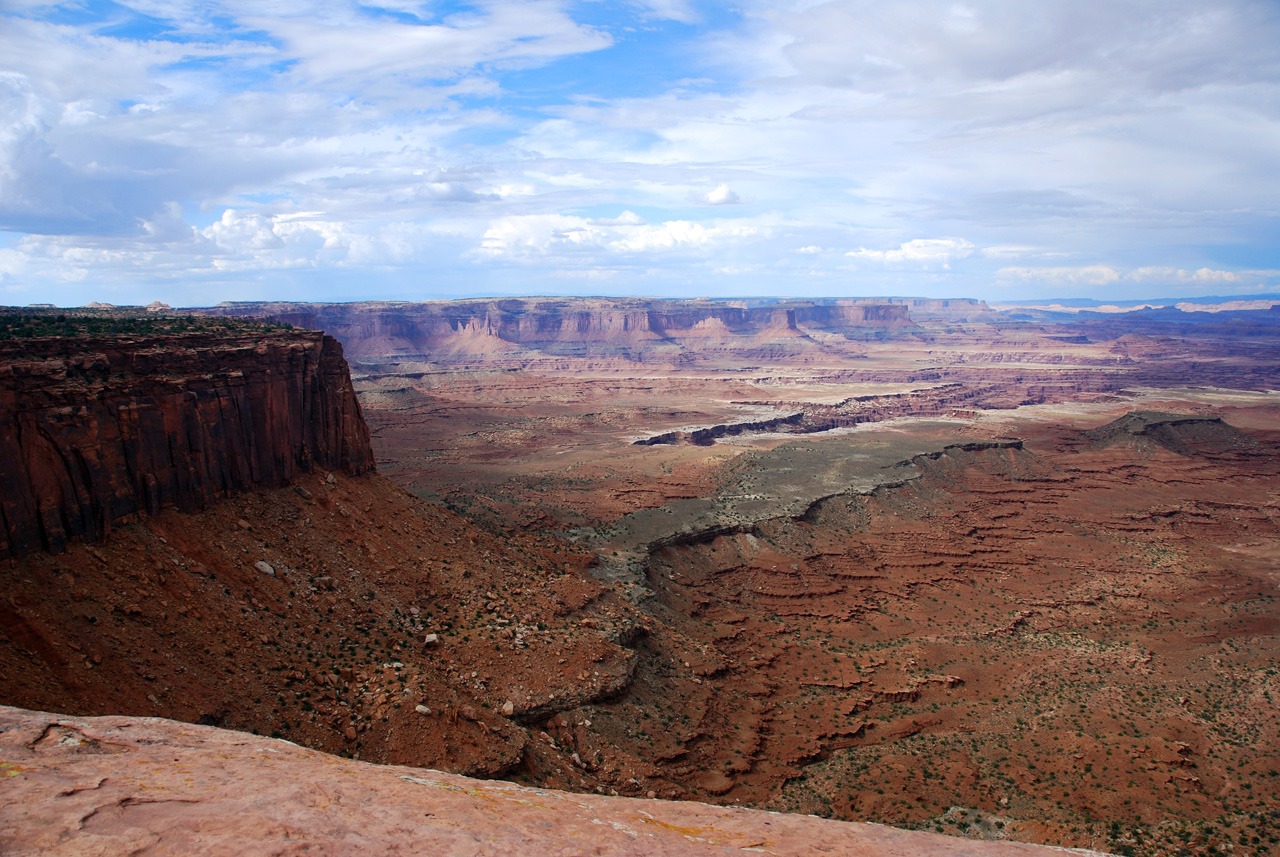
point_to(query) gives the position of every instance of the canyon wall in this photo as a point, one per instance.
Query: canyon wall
(633, 329)
(94, 432)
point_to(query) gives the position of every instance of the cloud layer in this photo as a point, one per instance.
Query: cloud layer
(196, 151)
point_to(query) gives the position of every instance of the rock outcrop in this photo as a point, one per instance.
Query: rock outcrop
(1185, 434)
(124, 785)
(95, 431)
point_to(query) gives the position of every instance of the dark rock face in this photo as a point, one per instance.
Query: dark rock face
(95, 432)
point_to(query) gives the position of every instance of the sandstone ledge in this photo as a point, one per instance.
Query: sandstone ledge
(130, 785)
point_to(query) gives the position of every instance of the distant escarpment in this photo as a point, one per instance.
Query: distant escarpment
(95, 430)
(630, 329)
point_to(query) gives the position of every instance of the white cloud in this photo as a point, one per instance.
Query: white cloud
(935, 45)
(626, 218)
(332, 45)
(721, 194)
(11, 263)
(1086, 275)
(1012, 251)
(100, 134)
(924, 252)
(1201, 275)
(524, 236)
(343, 136)
(670, 10)
(1099, 275)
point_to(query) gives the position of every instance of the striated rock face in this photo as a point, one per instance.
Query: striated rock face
(96, 431)
(125, 785)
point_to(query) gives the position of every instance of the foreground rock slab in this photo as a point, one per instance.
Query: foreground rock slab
(133, 785)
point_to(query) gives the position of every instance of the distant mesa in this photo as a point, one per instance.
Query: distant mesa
(640, 330)
(1185, 434)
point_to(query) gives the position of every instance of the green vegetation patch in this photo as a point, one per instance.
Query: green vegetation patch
(28, 323)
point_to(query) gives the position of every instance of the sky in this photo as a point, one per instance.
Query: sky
(194, 151)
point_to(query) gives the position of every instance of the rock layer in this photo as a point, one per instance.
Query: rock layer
(96, 431)
(117, 785)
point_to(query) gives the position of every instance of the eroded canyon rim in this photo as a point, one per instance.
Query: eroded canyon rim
(924, 563)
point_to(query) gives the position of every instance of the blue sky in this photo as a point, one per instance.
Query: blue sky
(194, 151)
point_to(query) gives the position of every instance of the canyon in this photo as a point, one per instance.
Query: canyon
(916, 562)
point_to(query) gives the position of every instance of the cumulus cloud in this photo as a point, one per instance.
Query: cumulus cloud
(721, 194)
(11, 263)
(923, 252)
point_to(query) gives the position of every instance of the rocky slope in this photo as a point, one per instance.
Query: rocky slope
(117, 785)
(95, 431)
(341, 613)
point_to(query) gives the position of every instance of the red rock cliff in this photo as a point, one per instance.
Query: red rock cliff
(96, 431)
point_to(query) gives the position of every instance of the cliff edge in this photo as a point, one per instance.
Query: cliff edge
(97, 430)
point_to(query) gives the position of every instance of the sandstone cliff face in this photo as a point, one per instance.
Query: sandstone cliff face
(95, 432)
